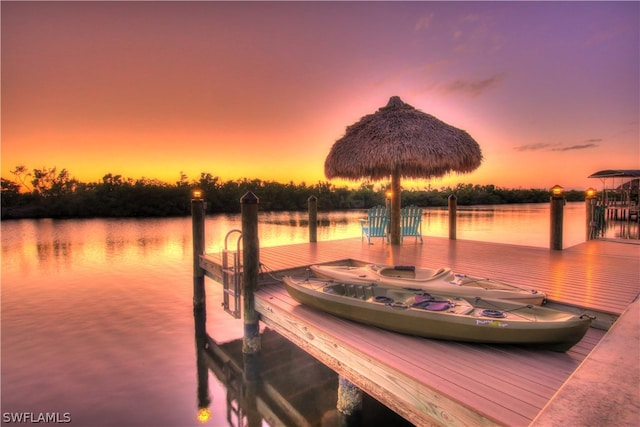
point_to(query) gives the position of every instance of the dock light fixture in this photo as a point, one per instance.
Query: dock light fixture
(197, 194)
(557, 191)
(389, 194)
(591, 192)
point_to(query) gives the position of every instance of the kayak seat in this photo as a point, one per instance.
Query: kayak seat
(398, 273)
(410, 272)
(433, 305)
(383, 299)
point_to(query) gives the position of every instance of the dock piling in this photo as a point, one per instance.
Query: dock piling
(349, 397)
(590, 206)
(557, 211)
(453, 209)
(312, 203)
(250, 271)
(199, 304)
(197, 219)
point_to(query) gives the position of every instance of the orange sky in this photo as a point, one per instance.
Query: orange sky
(549, 90)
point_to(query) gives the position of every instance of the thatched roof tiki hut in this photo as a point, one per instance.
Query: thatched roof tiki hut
(399, 141)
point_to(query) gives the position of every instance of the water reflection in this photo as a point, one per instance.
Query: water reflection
(86, 298)
(301, 219)
(282, 386)
(64, 244)
(621, 229)
(204, 399)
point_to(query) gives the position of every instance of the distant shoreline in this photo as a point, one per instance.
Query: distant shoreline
(22, 214)
(56, 195)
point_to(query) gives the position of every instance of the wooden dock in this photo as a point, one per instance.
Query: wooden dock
(295, 389)
(436, 382)
(622, 212)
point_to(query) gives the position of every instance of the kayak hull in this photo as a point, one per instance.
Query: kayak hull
(439, 317)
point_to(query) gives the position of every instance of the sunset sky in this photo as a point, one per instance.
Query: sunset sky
(550, 90)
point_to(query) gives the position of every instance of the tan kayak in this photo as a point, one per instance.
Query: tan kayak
(440, 281)
(448, 318)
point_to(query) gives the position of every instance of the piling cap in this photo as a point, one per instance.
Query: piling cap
(249, 198)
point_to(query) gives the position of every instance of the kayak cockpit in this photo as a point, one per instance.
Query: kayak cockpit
(399, 298)
(410, 272)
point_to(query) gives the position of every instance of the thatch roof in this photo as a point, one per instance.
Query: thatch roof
(400, 138)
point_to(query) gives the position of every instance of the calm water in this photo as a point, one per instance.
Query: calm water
(97, 318)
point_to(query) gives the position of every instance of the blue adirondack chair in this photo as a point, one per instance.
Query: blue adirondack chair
(376, 224)
(411, 222)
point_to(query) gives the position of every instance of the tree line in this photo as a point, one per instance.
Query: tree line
(49, 193)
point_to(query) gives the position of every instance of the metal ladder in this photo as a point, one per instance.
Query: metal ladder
(235, 393)
(232, 276)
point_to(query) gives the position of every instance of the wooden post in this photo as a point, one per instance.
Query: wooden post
(590, 206)
(312, 203)
(349, 397)
(557, 207)
(199, 304)
(250, 271)
(396, 191)
(453, 216)
(197, 220)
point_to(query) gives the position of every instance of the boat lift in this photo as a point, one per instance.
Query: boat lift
(232, 275)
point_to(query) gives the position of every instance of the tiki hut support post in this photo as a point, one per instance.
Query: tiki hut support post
(453, 212)
(312, 203)
(399, 141)
(396, 191)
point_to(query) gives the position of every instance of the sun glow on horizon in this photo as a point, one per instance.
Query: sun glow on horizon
(184, 98)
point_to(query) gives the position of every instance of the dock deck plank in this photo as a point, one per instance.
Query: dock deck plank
(596, 275)
(503, 385)
(429, 381)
